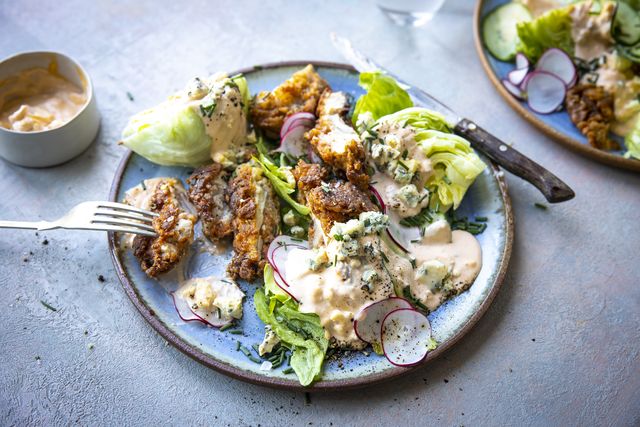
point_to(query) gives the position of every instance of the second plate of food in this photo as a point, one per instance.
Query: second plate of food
(570, 68)
(326, 247)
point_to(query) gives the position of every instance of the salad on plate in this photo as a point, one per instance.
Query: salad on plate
(341, 213)
(579, 56)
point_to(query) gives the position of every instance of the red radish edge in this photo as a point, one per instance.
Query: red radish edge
(565, 70)
(517, 75)
(513, 89)
(293, 118)
(402, 365)
(197, 318)
(378, 197)
(554, 105)
(405, 250)
(355, 321)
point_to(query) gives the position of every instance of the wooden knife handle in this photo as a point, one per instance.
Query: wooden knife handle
(553, 188)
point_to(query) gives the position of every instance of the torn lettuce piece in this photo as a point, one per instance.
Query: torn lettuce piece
(281, 177)
(301, 331)
(552, 29)
(384, 96)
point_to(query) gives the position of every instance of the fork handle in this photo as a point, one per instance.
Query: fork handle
(28, 225)
(552, 187)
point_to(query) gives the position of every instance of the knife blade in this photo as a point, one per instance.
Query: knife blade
(552, 187)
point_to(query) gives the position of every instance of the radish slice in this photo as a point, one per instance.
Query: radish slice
(289, 121)
(545, 92)
(279, 260)
(401, 236)
(378, 197)
(522, 61)
(513, 89)
(189, 314)
(294, 142)
(284, 241)
(283, 285)
(369, 319)
(556, 61)
(183, 309)
(517, 76)
(405, 335)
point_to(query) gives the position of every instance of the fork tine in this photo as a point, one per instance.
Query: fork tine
(119, 229)
(115, 221)
(121, 214)
(126, 208)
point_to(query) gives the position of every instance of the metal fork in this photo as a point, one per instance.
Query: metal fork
(105, 216)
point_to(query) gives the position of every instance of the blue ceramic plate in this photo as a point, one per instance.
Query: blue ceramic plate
(557, 125)
(487, 197)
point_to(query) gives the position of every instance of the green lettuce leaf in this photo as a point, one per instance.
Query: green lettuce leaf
(384, 96)
(243, 87)
(420, 118)
(169, 134)
(632, 141)
(300, 331)
(281, 178)
(455, 165)
(553, 29)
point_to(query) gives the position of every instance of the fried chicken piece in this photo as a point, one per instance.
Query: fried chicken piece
(255, 220)
(591, 110)
(173, 225)
(308, 176)
(206, 192)
(300, 92)
(337, 201)
(336, 141)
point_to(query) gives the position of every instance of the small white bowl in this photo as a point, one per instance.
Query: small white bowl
(53, 146)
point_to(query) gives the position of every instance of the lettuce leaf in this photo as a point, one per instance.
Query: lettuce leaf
(552, 29)
(170, 134)
(420, 118)
(384, 96)
(243, 87)
(301, 331)
(281, 178)
(455, 165)
(632, 141)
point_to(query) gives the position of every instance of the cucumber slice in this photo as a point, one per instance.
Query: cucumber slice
(499, 29)
(625, 26)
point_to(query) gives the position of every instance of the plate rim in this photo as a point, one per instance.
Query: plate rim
(320, 386)
(566, 140)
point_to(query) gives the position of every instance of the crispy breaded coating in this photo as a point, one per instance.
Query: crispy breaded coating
(338, 201)
(256, 217)
(308, 176)
(206, 192)
(174, 227)
(336, 141)
(300, 92)
(591, 110)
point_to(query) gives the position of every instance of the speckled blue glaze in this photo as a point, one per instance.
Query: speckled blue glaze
(483, 199)
(560, 120)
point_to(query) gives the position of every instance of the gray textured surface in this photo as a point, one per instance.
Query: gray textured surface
(560, 345)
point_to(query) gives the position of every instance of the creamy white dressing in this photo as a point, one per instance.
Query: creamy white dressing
(459, 251)
(540, 7)
(337, 293)
(591, 33)
(226, 125)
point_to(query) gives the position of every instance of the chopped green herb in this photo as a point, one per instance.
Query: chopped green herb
(129, 96)
(287, 371)
(50, 307)
(207, 110)
(541, 206)
(227, 326)
(482, 219)
(238, 345)
(418, 220)
(236, 331)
